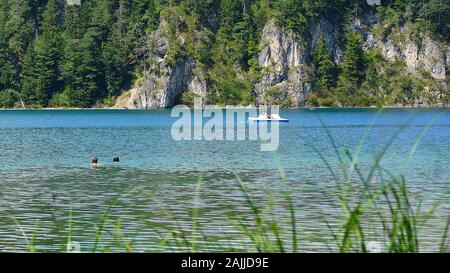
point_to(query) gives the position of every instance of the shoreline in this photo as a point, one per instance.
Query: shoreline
(237, 107)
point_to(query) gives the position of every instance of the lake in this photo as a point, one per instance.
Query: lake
(48, 186)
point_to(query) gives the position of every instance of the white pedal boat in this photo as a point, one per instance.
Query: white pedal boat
(273, 117)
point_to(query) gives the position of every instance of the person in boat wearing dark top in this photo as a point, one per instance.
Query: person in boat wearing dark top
(116, 159)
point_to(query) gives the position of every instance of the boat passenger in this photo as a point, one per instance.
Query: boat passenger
(275, 117)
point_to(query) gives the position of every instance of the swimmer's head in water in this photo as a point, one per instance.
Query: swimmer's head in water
(94, 160)
(116, 159)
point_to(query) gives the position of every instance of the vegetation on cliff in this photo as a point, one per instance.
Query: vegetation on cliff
(57, 55)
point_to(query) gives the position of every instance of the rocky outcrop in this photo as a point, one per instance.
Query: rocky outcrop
(331, 34)
(426, 54)
(163, 89)
(163, 84)
(423, 53)
(448, 57)
(284, 61)
(283, 64)
(432, 58)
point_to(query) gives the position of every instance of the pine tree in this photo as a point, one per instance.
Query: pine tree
(324, 67)
(292, 15)
(352, 71)
(41, 65)
(116, 51)
(437, 13)
(80, 70)
(230, 13)
(7, 69)
(19, 28)
(16, 34)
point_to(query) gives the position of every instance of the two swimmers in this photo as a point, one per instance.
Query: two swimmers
(94, 161)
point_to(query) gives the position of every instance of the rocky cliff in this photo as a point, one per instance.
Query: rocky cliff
(285, 62)
(162, 85)
(416, 50)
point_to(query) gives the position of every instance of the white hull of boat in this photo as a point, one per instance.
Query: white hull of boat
(268, 120)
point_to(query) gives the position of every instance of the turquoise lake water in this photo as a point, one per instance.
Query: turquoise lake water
(45, 174)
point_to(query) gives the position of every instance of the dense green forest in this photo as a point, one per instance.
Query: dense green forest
(53, 54)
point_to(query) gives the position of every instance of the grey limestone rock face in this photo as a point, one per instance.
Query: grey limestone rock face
(163, 83)
(283, 63)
